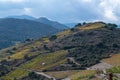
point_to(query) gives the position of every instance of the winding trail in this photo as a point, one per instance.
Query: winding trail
(43, 74)
(73, 60)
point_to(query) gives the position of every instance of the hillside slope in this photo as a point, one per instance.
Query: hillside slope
(72, 49)
(17, 30)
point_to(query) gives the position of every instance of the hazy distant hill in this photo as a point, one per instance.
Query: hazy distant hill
(118, 26)
(55, 24)
(70, 24)
(12, 30)
(22, 17)
(44, 20)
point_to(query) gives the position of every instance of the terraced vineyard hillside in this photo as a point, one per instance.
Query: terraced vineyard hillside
(70, 52)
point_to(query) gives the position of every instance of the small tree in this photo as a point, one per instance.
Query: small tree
(14, 48)
(111, 26)
(77, 25)
(15, 78)
(84, 23)
(45, 47)
(53, 37)
(9, 57)
(10, 52)
(72, 29)
(32, 74)
(26, 57)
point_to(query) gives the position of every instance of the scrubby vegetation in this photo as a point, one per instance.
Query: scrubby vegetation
(15, 74)
(83, 75)
(89, 47)
(50, 60)
(4, 70)
(115, 69)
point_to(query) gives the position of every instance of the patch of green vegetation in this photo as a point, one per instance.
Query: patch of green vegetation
(4, 70)
(53, 37)
(18, 73)
(115, 69)
(83, 74)
(50, 60)
(18, 51)
(20, 54)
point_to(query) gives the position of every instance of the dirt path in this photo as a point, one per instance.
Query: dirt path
(66, 79)
(43, 74)
(73, 60)
(39, 73)
(100, 66)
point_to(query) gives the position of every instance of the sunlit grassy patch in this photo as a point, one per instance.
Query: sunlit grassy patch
(19, 54)
(50, 60)
(18, 73)
(64, 33)
(91, 26)
(81, 75)
(115, 69)
(114, 60)
(46, 40)
(62, 74)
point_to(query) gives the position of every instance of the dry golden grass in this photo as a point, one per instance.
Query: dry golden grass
(62, 74)
(4, 54)
(91, 26)
(20, 54)
(114, 60)
(81, 75)
(36, 43)
(64, 33)
(21, 51)
(46, 40)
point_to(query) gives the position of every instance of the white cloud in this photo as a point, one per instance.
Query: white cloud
(27, 10)
(110, 15)
(108, 9)
(66, 10)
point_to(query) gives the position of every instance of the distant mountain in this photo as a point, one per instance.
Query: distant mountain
(22, 17)
(118, 26)
(44, 20)
(70, 24)
(13, 30)
(55, 24)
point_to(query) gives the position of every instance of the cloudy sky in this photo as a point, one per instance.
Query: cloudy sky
(64, 11)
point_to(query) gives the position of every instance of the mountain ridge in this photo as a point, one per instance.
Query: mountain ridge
(22, 17)
(43, 20)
